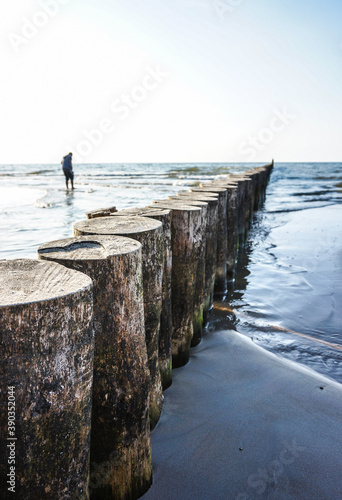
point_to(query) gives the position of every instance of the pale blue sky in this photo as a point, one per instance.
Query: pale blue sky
(247, 80)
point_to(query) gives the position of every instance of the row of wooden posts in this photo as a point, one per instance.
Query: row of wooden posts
(90, 333)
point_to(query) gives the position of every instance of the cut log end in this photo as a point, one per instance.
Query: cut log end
(87, 248)
(25, 281)
(116, 225)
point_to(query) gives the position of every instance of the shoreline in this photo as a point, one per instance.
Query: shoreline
(239, 408)
(243, 423)
(295, 270)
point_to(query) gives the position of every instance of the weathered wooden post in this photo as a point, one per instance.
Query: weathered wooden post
(198, 318)
(222, 237)
(211, 244)
(120, 448)
(165, 335)
(253, 187)
(244, 191)
(101, 212)
(263, 179)
(239, 184)
(252, 193)
(149, 233)
(236, 187)
(232, 228)
(265, 173)
(187, 231)
(257, 188)
(46, 375)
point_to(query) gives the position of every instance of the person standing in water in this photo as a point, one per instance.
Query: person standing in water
(67, 170)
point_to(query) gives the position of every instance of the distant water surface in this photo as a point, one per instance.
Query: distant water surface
(36, 208)
(287, 294)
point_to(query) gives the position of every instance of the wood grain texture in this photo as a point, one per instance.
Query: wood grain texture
(101, 212)
(222, 237)
(165, 335)
(47, 350)
(211, 240)
(199, 298)
(149, 232)
(121, 466)
(187, 246)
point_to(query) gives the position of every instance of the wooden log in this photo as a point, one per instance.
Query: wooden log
(258, 199)
(252, 193)
(149, 233)
(222, 234)
(47, 345)
(254, 175)
(198, 315)
(240, 183)
(232, 229)
(264, 173)
(227, 231)
(187, 234)
(263, 176)
(133, 211)
(120, 448)
(165, 335)
(238, 216)
(101, 212)
(244, 206)
(211, 246)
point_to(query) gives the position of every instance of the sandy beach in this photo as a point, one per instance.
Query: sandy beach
(242, 423)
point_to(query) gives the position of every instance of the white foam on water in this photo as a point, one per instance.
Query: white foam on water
(16, 196)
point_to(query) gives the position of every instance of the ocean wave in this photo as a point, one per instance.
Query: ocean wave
(43, 202)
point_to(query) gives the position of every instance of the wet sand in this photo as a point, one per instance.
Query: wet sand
(242, 423)
(288, 290)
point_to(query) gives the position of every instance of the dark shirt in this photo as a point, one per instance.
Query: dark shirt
(67, 165)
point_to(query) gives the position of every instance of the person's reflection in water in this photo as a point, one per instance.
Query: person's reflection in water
(70, 215)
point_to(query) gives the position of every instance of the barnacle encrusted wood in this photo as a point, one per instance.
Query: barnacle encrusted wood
(149, 233)
(47, 345)
(121, 465)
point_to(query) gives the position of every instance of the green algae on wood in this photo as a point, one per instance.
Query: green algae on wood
(149, 233)
(120, 448)
(47, 344)
(199, 297)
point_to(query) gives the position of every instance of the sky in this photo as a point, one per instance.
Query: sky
(171, 81)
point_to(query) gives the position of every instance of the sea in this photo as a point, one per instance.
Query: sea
(287, 291)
